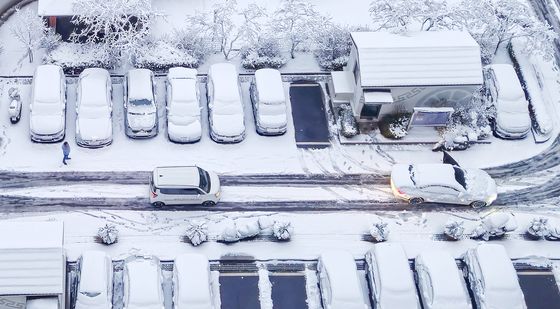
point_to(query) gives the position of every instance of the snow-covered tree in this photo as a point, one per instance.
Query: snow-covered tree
(295, 20)
(493, 23)
(282, 229)
(332, 45)
(28, 29)
(254, 24)
(108, 234)
(407, 15)
(197, 232)
(538, 227)
(379, 231)
(121, 25)
(454, 229)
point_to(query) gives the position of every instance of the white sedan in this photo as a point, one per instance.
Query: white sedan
(142, 284)
(443, 183)
(183, 108)
(94, 109)
(47, 111)
(96, 281)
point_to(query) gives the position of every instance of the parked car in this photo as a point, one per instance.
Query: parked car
(440, 281)
(191, 283)
(141, 118)
(178, 185)
(512, 109)
(143, 284)
(226, 116)
(493, 279)
(269, 102)
(390, 277)
(94, 109)
(95, 287)
(183, 108)
(339, 282)
(443, 183)
(47, 116)
(42, 303)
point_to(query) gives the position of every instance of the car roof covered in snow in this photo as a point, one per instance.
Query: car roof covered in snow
(183, 90)
(270, 86)
(508, 84)
(47, 83)
(343, 277)
(225, 80)
(496, 267)
(93, 86)
(42, 303)
(447, 288)
(144, 282)
(93, 271)
(140, 84)
(180, 72)
(170, 176)
(193, 280)
(434, 174)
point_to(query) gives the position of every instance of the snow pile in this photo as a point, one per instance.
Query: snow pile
(312, 290)
(197, 232)
(494, 226)
(75, 57)
(282, 229)
(454, 229)
(162, 55)
(108, 234)
(379, 231)
(265, 289)
(238, 229)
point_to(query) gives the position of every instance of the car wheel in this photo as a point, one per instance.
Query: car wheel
(209, 203)
(158, 204)
(416, 200)
(478, 204)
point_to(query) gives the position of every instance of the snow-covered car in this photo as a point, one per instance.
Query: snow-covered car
(183, 108)
(443, 183)
(339, 282)
(390, 277)
(493, 279)
(440, 281)
(42, 303)
(191, 283)
(47, 116)
(512, 109)
(141, 118)
(94, 109)
(180, 185)
(95, 287)
(269, 102)
(225, 108)
(143, 284)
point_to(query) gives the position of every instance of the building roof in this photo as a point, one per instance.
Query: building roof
(427, 58)
(32, 258)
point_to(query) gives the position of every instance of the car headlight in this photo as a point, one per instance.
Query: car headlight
(492, 198)
(218, 194)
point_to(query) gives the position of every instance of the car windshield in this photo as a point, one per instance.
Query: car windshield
(460, 177)
(204, 180)
(90, 294)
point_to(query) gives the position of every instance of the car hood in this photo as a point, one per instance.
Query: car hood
(191, 130)
(272, 121)
(513, 122)
(46, 124)
(142, 121)
(228, 125)
(480, 184)
(95, 129)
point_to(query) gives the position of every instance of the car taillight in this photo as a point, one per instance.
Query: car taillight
(400, 191)
(154, 195)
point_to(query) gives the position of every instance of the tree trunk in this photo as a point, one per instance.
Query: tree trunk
(30, 54)
(293, 50)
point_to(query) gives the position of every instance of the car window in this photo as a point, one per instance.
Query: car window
(412, 174)
(204, 180)
(141, 102)
(179, 191)
(460, 177)
(90, 294)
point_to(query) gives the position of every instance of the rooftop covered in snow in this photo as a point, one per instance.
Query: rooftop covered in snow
(427, 58)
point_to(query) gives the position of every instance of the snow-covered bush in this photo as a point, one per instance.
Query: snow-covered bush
(538, 228)
(553, 233)
(456, 137)
(162, 55)
(379, 231)
(50, 40)
(333, 44)
(235, 230)
(75, 57)
(108, 234)
(265, 53)
(194, 43)
(454, 229)
(196, 232)
(394, 126)
(282, 229)
(296, 21)
(495, 225)
(229, 231)
(348, 124)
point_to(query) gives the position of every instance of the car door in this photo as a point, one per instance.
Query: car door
(441, 194)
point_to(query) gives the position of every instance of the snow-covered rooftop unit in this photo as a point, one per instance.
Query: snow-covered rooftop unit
(32, 259)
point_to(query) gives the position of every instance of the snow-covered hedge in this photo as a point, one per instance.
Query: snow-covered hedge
(242, 228)
(75, 57)
(348, 124)
(108, 234)
(265, 54)
(394, 126)
(162, 55)
(495, 225)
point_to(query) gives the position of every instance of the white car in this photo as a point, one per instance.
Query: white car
(192, 288)
(143, 284)
(141, 118)
(269, 102)
(226, 116)
(443, 183)
(493, 279)
(94, 109)
(183, 108)
(95, 287)
(512, 109)
(440, 281)
(47, 117)
(390, 277)
(339, 282)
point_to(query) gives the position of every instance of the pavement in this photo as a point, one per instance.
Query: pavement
(310, 118)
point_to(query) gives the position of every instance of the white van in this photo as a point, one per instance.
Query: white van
(179, 185)
(269, 102)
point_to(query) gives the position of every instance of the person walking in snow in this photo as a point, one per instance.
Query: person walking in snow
(66, 152)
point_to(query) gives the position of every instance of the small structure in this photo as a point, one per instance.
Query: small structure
(58, 14)
(32, 261)
(425, 73)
